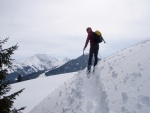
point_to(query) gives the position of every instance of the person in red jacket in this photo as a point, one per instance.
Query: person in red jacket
(94, 47)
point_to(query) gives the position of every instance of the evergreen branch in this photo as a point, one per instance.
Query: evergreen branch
(7, 101)
(5, 88)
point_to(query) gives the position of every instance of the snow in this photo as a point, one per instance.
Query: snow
(37, 89)
(120, 84)
(65, 60)
(79, 95)
(37, 63)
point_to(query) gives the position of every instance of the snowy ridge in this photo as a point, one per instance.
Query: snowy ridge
(32, 67)
(119, 85)
(37, 62)
(125, 77)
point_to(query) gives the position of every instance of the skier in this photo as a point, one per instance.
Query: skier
(94, 47)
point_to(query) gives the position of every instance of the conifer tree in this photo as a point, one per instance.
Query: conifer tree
(19, 78)
(6, 101)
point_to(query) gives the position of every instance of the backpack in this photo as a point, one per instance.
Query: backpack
(98, 37)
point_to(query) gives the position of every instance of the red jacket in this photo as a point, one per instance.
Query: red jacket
(88, 38)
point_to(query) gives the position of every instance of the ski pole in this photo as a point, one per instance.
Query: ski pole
(83, 51)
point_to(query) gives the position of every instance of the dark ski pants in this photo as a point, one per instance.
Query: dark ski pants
(93, 51)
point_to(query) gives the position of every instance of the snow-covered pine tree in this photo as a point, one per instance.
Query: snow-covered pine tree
(6, 101)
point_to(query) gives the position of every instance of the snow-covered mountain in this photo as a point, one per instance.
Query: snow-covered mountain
(34, 64)
(37, 62)
(120, 84)
(65, 60)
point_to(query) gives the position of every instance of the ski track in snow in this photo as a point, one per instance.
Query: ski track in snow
(119, 85)
(95, 100)
(79, 95)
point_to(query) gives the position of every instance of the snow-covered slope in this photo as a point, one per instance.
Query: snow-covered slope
(120, 84)
(37, 89)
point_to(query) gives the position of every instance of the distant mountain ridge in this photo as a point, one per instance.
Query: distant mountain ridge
(71, 66)
(37, 62)
(43, 64)
(34, 65)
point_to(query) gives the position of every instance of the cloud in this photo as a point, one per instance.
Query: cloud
(58, 27)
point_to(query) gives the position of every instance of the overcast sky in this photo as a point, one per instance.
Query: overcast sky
(57, 27)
